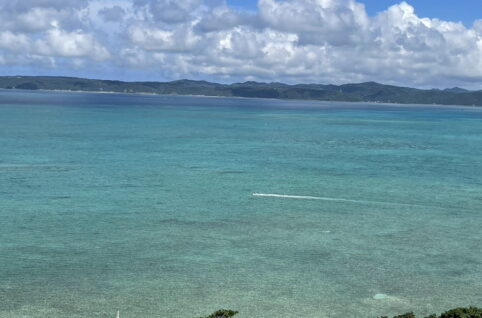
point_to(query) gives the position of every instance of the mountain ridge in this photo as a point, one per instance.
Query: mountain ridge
(351, 92)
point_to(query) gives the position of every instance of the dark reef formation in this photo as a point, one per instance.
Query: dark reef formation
(222, 313)
(461, 312)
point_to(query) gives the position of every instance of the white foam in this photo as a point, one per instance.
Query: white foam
(273, 195)
(306, 197)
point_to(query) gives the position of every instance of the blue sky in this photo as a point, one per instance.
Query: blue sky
(417, 43)
(465, 11)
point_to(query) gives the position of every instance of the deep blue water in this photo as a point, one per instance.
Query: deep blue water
(144, 204)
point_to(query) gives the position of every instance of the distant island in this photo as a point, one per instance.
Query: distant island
(363, 92)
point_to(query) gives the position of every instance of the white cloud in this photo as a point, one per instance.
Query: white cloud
(179, 39)
(222, 18)
(171, 11)
(39, 15)
(14, 42)
(71, 44)
(327, 41)
(317, 21)
(112, 14)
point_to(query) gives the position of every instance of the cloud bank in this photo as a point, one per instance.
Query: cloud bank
(323, 41)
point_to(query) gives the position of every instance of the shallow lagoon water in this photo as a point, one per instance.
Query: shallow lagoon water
(144, 204)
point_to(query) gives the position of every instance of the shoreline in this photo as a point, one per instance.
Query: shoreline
(471, 107)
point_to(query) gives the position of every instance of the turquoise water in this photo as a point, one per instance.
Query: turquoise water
(144, 204)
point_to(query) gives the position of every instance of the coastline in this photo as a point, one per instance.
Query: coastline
(451, 106)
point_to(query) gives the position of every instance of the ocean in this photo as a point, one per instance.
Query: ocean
(170, 206)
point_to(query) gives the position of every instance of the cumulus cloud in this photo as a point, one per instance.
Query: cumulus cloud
(112, 14)
(317, 21)
(223, 18)
(325, 41)
(171, 11)
(14, 42)
(180, 39)
(38, 15)
(71, 44)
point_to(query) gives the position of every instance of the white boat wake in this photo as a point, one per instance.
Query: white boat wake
(306, 197)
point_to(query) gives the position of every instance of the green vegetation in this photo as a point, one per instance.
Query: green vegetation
(363, 92)
(461, 312)
(471, 312)
(407, 315)
(222, 313)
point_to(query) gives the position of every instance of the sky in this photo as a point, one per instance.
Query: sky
(417, 43)
(465, 11)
